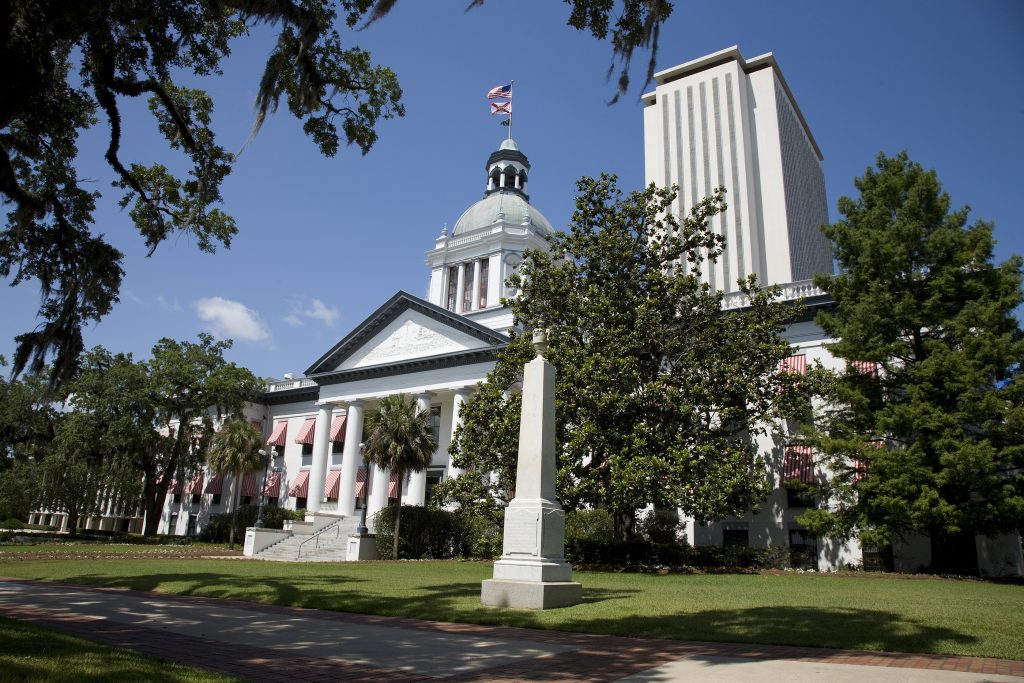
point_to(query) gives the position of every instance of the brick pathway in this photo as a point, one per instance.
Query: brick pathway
(581, 657)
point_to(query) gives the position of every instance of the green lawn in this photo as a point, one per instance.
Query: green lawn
(847, 611)
(41, 655)
(72, 549)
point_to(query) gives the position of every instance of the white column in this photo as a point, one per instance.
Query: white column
(381, 479)
(517, 180)
(458, 290)
(416, 492)
(459, 397)
(474, 302)
(321, 448)
(351, 459)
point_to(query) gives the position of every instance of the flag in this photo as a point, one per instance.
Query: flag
(506, 122)
(501, 108)
(500, 91)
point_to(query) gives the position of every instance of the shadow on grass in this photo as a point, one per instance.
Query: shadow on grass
(458, 601)
(841, 628)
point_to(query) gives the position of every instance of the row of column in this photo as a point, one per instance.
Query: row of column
(352, 460)
(460, 290)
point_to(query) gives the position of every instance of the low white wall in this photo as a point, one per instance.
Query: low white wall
(259, 539)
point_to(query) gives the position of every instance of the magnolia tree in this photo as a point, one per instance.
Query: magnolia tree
(661, 394)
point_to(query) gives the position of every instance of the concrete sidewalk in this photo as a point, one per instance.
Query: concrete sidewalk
(266, 642)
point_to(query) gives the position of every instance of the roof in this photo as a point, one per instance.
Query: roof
(509, 207)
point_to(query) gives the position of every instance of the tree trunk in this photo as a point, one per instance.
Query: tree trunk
(155, 494)
(624, 524)
(73, 523)
(236, 489)
(398, 517)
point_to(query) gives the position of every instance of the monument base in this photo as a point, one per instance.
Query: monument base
(530, 594)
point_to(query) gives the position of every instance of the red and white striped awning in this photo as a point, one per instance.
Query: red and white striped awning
(331, 484)
(195, 486)
(176, 486)
(300, 488)
(216, 484)
(868, 368)
(273, 487)
(338, 429)
(360, 482)
(251, 485)
(307, 431)
(795, 364)
(798, 464)
(277, 438)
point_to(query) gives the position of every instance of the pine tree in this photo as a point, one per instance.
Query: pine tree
(925, 428)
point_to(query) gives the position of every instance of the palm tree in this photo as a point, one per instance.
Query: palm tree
(399, 439)
(236, 451)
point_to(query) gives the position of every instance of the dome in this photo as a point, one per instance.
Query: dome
(516, 210)
(509, 143)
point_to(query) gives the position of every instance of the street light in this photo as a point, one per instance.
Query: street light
(263, 487)
(361, 529)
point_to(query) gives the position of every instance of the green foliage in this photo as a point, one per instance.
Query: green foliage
(69, 64)
(940, 425)
(589, 524)
(399, 439)
(236, 451)
(426, 533)
(660, 394)
(659, 526)
(222, 528)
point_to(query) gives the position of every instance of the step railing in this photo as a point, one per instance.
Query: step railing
(336, 527)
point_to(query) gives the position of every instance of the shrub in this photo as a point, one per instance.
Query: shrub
(12, 524)
(218, 529)
(484, 536)
(659, 526)
(590, 525)
(425, 533)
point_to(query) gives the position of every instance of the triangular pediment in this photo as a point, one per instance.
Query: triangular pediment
(403, 330)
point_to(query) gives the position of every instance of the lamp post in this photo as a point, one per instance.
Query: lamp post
(263, 487)
(361, 529)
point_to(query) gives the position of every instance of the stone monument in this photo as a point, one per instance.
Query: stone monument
(532, 572)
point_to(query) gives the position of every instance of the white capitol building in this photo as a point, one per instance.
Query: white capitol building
(720, 120)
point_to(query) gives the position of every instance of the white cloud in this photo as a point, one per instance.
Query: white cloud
(321, 311)
(293, 320)
(168, 305)
(231, 319)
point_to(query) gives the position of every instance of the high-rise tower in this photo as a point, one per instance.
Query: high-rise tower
(722, 120)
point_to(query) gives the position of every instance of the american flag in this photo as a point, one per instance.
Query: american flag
(500, 91)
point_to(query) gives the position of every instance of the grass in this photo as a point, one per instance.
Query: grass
(42, 655)
(71, 548)
(929, 615)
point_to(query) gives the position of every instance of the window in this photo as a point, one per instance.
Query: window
(246, 500)
(216, 499)
(799, 496)
(300, 503)
(338, 447)
(484, 266)
(467, 287)
(434, 477)
(736, 537)
(197, 498)
(803, 550)
(172, 523)
(272, 501)
(191, 529)
(176, 498)
(435, 423)
(453, 287)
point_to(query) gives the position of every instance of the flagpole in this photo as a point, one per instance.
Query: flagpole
(511, 85)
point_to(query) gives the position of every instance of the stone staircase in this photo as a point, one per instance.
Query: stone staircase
(330, 544)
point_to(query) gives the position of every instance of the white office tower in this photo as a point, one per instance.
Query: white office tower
(725, 121)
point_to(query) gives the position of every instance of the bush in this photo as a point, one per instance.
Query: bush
(218, 529)
(12, 524)
(424, 533)
(659, 526)
(589, 525)
(485, 536)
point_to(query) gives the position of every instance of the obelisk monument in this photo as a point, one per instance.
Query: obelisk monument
(532, 572)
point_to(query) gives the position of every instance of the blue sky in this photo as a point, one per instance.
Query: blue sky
(323, 242)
